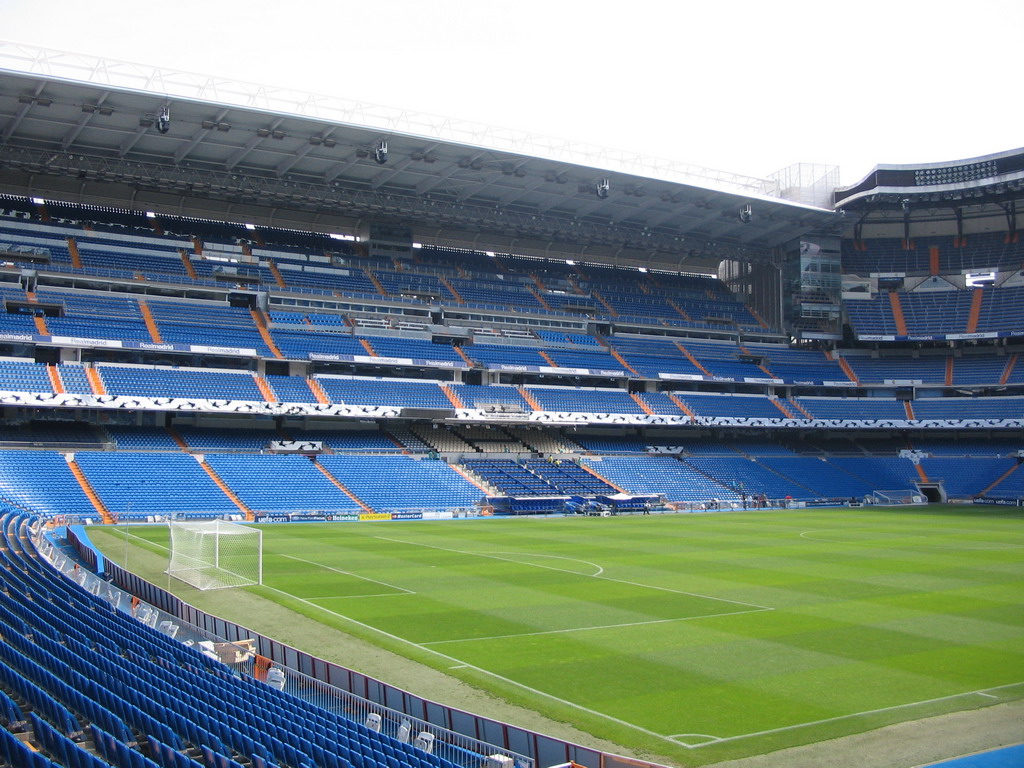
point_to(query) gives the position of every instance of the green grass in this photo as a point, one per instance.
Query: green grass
(697, 637)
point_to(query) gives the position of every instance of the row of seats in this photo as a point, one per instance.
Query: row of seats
(699, 478)
(477, 280)
(145, 700)
(940, 312)
(978, 252)
(138, 381)
(397, 438)
(140, 484)
(214, 325)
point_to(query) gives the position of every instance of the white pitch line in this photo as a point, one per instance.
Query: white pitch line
(588, 629)
(560, 570)
(982, 692)
(459, 664)
(349, 573)
(708, 739)
(599, 570)
(356, 597)
(910, 540)
(142, 538)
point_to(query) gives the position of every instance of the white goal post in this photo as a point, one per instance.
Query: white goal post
(214, 554)
(892, 498)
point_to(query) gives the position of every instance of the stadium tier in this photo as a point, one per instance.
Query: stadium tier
(136, 473)
(156, 382)
(133, 485)
(42, 481)
(941, 312)
(677, 480)
(933, 255)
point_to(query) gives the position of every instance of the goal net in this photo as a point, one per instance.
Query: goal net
(214, 554)
(891, 498)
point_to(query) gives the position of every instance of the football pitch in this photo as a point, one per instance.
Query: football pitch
(699, 637)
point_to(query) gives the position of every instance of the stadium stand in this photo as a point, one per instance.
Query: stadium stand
(291, 484)
(140, 485)
(383, 392)
(678, 481)
(323, 377)
(584, 400)
(159, 382)
(42, 482)
(394, 482)
(93, 676)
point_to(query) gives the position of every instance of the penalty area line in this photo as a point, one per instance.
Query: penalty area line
(589, 629)
(353, 575)
(126, 533)
(460, 664)
(582, 575)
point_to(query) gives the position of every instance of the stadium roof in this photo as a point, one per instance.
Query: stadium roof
(991, 178)
(86, 130)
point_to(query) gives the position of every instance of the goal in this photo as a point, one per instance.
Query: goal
(892, 498)
(214, 554)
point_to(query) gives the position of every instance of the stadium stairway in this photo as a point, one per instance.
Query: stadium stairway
(689, 356)
(896, 308)
(151, 326)
(265, 389)
(190, 269)
(475, 479)
(261, 325)
(278, 277)
(318, 391)
(249, 514)
(1008, 371)
(588, 468)
(91, 494)
(341, 486)
(55, 380)
(848, 370)
(76, 257)
(994, 486)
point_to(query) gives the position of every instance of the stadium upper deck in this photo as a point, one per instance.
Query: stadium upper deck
(102, 143)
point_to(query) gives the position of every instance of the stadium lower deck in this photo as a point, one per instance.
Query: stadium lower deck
(147, 473)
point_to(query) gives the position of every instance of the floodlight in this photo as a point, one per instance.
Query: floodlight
(163, 120)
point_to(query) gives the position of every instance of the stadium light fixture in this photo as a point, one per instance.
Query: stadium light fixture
(380, 152)
(163, 120)
(603, 187)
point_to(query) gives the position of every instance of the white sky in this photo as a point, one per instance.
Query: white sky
(741, 85)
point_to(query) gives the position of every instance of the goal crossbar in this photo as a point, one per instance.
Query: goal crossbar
(215, 554)
(899, 496)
